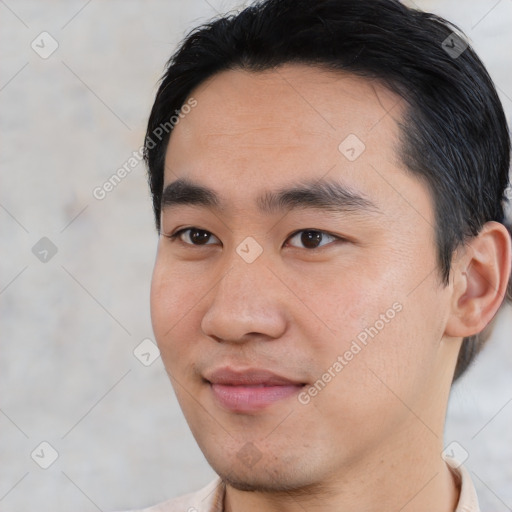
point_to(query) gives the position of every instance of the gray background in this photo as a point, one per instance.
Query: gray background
(70, 325)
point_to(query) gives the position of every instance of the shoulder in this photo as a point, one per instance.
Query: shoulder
(207, 499)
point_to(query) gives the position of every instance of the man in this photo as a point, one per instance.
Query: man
(328, 182)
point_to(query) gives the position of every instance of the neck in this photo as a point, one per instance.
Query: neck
(408, 476)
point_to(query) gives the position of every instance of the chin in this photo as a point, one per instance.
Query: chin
(266, 479)
(262, 485)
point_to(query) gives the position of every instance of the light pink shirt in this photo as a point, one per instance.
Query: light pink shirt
(211, 497)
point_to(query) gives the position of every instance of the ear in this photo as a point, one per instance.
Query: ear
(480, 278)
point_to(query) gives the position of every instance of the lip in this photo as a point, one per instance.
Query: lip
(250, 390)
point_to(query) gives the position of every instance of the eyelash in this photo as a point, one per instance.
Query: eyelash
(174, 236)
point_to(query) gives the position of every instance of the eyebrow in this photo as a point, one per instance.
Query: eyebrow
(320, 194)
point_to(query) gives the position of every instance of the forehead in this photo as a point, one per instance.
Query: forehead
(325, 102)
(254, 131)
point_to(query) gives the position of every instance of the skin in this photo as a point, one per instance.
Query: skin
(372, 438)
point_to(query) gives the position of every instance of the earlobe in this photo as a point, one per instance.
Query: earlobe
(480, 278)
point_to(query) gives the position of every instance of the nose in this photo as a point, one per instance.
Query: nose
(246, 304)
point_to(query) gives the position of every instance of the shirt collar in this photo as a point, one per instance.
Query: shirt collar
(468, 500)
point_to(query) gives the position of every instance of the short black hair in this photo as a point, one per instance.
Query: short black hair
(454, 133)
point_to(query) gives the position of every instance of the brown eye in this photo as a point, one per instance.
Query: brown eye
(199, 237)
(195, 236)
(312, 238)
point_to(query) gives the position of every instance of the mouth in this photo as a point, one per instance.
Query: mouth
(250, 390)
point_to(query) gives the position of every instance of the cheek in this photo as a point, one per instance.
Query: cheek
(174, 306)
(390, 358)
(163, 301)
(377, 369)
(380, 320)
(353, 298)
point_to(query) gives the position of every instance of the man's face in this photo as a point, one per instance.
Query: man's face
(303, 337)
